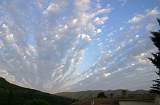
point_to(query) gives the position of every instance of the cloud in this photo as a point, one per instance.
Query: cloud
(98, 31)
(4, 26)
(140, 17)
(82, 5)
(107, 74)
(48, 51)
(52, 8)
(85, 37)
(153, 12)
(136, 19)
(50, 44)
(142, 58)
(123, 55)
(100, 21)
(102, 11)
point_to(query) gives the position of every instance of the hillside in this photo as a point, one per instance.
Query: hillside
(116, 93)
(11, 94)
(79, 95)
(112, 97)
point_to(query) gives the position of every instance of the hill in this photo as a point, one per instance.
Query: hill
(11, 94)
(115, 93)
(79, 95)
(112, 97)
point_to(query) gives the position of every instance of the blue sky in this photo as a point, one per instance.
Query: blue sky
(73, 45)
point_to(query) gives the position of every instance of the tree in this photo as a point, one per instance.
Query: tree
(37, 102)
(111, 95)
(101, 95)
(10, 96)
(156, 61)
(124, 93)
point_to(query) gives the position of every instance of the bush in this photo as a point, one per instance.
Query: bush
(37, 102)
(101, 95)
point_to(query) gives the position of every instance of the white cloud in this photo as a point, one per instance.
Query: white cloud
(40, 49)
(9, 37)
(84, 19)
(85, 37)
(140, 17)
(136, 19)
(152, 12)
(82, 5)
(74, 21)
(102, 11)
(80, 56)
(100, 21)
(107, 74)
(121, 28)
(142, 57)
(98, 31)
(52, 8)
(4, 26)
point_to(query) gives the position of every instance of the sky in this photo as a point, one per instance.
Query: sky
(74, 45)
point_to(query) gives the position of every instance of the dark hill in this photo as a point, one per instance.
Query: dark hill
(112, 97)
(11, 94)
(116, 93)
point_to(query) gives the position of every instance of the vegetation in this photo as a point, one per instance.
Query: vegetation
(14, 95)
(82, 95)
(101, 95)
(124, 93)
(37, 102)
(156, 61)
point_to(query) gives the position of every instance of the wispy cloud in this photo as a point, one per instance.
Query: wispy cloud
(60, 45)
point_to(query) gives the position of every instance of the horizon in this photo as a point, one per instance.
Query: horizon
(78, 45)
(3, 79)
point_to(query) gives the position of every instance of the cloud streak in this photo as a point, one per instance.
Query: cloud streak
(59, 46)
